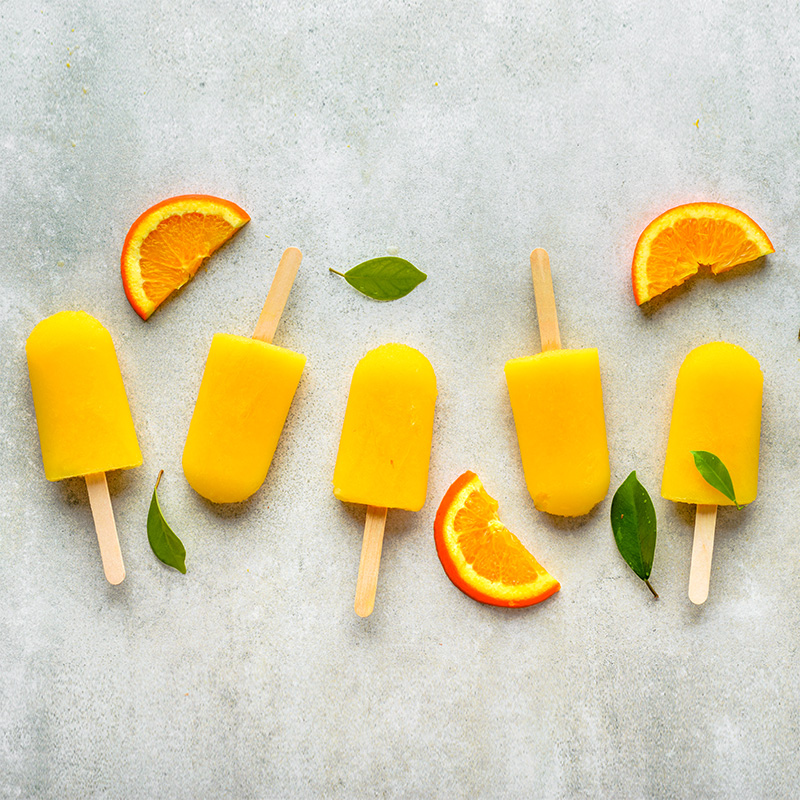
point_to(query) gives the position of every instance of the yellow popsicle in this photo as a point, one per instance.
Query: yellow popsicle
(718, 409)
(85, 425)
(247, 389)
(557, 400)
(385, 446)
(244, 398)
(82, 411)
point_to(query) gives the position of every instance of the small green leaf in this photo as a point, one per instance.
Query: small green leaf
(715, 473)
(166, 545)
(385, 278)
(633, 520)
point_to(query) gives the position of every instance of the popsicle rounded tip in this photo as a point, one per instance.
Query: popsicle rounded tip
(115, 576)
(540, 263)
(698, 595)
(364, 609)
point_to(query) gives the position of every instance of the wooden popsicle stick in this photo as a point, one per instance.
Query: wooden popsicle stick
(545, 300)
(278, 295)
(370, 562)
(700, 573)
(106, 528)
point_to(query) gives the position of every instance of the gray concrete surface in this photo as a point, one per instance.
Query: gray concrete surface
(463, 135)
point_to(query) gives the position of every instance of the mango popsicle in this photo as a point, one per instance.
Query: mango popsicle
(557, 402)
(247, 389)
(85, 425)
(717, 409)
(385, 447)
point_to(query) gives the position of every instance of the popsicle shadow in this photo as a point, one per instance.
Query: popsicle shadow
(729, 518)
(658, 302)
(262, 495)
(74, 493)
(398, 521)
(230, 510)
(570, 524)
(686, 513)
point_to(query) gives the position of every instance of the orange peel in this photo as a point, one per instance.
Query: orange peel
(480, 555)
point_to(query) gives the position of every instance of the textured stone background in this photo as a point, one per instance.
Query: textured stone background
(463, 135)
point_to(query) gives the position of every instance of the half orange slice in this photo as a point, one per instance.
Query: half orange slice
(167, 244)
(480, 555)
(676, 244)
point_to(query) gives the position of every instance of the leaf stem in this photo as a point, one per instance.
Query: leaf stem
(655, 593)
(158, 480)
(341, 274)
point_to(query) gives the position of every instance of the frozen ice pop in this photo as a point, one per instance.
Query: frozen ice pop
(717, 409)
(244, 399)
(85, 425)
(557, 401)
(385, 447)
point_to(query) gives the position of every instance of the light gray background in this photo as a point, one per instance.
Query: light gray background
(463, 135)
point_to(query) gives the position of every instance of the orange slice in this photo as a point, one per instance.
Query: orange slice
(167, 244)
(480, 555)
(675, 245)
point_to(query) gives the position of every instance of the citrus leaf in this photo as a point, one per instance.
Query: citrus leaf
(633, 520)
(385, 278)
(165, 544)
(715, 473)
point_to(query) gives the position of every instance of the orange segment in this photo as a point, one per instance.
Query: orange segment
(675, 245)
(166, 245)
(480, 555)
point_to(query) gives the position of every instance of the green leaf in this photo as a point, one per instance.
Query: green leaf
(166, 545)
(715, 473)
(633, 520)
(385, 278)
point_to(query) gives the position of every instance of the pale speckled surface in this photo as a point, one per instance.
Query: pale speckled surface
(463, 136)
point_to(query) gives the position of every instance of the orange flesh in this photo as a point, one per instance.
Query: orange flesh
(172, 253)
(489, 547)
(678, 252)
